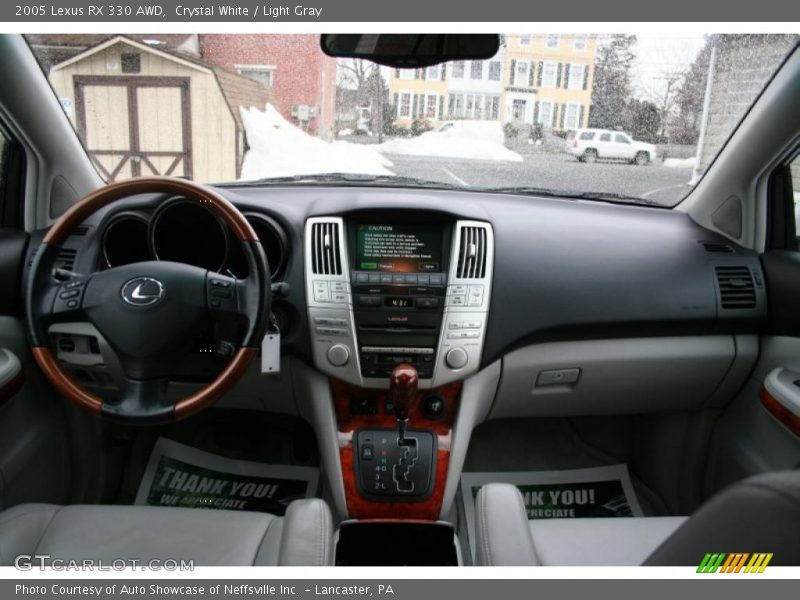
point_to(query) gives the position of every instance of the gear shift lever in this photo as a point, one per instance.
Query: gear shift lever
(402, 393)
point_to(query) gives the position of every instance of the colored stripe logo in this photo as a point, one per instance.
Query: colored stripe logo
(737, 562)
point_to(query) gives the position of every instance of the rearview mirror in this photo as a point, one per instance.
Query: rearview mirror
(410, 50)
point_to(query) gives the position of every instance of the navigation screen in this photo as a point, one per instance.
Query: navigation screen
(399, 248)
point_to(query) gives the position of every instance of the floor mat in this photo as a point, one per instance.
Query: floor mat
(179, 475)
(604, 491)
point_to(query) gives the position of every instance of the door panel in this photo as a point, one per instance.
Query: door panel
(749, 439)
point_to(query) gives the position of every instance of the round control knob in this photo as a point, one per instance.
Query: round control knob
(456, 358)
(338, 355)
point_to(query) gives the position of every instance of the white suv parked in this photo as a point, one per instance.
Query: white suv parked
(590, 145)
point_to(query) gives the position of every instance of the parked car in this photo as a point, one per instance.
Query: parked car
(590, 145)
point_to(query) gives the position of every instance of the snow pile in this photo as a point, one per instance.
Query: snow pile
(280, 149)
(680, 163)
(482, 140)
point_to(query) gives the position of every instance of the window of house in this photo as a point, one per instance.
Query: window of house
(263, 74)
(579, 42)
(552, 41)
(131, 62)
(549, 74)
(521, 74)
(433, 72)
(572, 115)
(431, 104)
(575, 81)
(476, 70)
(404, 106)
(493, 107)
(525, 40)
(459, 106)
(458, 69)
(406, 74)
(546, 113)
(495, 70)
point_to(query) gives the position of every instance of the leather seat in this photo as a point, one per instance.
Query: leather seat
(759, 514)
(208, 537)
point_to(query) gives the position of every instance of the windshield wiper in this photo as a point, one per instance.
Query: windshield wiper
(576, 195)
(347, 179)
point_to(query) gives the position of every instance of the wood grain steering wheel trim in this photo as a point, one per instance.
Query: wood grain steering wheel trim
(62, 228)
(96, 200)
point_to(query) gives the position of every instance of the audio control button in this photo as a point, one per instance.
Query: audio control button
(456, 358)
(338, 355)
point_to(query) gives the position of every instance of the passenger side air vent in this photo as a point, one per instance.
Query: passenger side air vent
(472, 253)
(325, 256)
(66, 259)
(736, 288)
(717, 247)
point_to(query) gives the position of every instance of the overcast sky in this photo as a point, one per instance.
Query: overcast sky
(660, 56)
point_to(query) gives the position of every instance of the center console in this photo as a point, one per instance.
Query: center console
(391, 294)
(381, 293)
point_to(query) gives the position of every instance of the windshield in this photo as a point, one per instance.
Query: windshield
(629, 118)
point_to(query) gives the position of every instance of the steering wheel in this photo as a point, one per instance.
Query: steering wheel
(150, 313)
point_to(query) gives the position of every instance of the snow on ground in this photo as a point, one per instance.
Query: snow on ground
(458, 139)
(680, 163)
(280, 149)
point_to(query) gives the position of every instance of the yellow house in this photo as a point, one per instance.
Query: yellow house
(549, 79)
(419, 94)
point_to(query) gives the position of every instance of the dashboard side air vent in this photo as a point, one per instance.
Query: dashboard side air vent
(718, 247)
(80, 231)
(66, 259)
(736, 288)
(472, 253)
(326, 257)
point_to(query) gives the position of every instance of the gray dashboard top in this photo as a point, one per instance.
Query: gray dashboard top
(564, 268)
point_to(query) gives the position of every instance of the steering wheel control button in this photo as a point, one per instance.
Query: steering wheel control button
(220, 283)
(456, 358)
(69, 294)
(338, 355)
(142, 291)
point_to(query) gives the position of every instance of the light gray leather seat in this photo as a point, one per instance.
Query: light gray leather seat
(760, 514)
(208, 537)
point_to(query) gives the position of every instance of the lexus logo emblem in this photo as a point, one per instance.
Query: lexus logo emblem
(142, 291)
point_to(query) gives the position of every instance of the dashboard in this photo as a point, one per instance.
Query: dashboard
(450, 281)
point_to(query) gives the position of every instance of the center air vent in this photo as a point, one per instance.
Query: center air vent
(325, 255)
(736, 288)
(472, 253)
